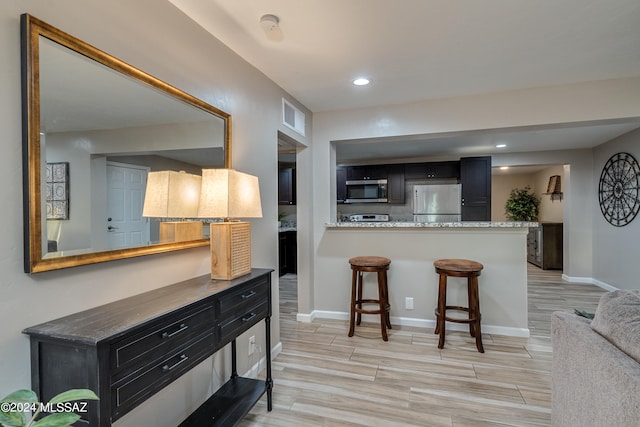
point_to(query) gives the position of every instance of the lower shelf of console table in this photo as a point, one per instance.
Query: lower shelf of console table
(229, 404)
(128, 350)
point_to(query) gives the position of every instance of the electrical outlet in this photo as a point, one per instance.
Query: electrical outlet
(252, 344)
(408, 303)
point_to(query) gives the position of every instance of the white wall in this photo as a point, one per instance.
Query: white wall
(615, 249)
(157, 38)
(558, 104)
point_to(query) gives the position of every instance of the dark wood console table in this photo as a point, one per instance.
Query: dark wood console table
(128, 350)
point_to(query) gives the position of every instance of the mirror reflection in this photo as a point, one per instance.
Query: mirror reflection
(103, 127)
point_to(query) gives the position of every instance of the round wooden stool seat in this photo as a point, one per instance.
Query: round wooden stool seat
(459, 268)
(369, 261)
(371, 264)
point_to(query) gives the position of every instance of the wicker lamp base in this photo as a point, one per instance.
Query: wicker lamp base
(230, 249)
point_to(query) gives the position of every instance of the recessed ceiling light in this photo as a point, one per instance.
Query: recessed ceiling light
(501, 145)
(361, 81)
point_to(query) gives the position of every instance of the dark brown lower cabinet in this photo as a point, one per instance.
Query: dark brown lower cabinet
(130, 349)
(544, 245)
(287, 251)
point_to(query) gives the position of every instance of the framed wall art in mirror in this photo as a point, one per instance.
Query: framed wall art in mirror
(112, 124)
(57, 184)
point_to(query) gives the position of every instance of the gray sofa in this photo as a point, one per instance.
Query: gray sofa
(596, 375)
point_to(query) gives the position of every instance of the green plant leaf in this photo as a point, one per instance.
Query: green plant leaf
(522, 205)
(13, 419)
(25, 396)
(74, 394)
(59, 419)
(17, 419)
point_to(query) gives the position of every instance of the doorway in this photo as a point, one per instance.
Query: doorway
(125, 226)
(287, 223)
(547, 252)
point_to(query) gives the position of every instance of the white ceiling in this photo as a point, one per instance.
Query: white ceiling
(416, 50)
(455, 145)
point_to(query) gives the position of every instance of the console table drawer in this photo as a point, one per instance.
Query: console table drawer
(235, 303)
(243, 321)
(157, 339)
(127, 392)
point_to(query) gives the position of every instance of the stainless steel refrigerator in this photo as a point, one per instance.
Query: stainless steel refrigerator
(436, 203)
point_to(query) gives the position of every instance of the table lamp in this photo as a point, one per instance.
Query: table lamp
(172, 194)
(229, 194)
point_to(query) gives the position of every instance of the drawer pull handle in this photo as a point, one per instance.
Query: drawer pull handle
(251, 316)
(249, 295)
(182, 328)
(167, 368)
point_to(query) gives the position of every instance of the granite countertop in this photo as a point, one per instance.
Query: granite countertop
(465, 224)
(283, 229)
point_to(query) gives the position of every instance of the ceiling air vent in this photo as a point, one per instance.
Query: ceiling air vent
(292, 117)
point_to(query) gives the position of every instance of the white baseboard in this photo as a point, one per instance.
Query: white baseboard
(589, 281)
(262, 363)
(424, 323)
(305, 318)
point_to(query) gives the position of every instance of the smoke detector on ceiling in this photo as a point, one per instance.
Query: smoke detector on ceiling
(269, 22)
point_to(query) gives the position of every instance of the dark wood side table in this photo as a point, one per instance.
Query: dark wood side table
(544, 245)
(128, 350)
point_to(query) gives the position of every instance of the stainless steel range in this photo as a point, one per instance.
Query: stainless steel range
(369, 218)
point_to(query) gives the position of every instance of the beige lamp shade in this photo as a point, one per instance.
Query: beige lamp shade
(227, 193)
(171, 194)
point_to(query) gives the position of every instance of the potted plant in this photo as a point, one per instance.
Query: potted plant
(281, 216)
(62, 408)
(522, 205)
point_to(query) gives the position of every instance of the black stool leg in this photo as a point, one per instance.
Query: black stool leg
(437, 310)
(442, 309)
(382, 302)
(359, 300)
(472, 313)
(474, 305)
(352, 306)
(385, 288)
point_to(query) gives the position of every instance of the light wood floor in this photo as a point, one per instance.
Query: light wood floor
(324, 378)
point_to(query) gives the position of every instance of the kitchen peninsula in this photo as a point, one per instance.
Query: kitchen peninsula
(412, 247)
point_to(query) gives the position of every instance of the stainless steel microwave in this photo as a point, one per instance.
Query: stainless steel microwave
(366, 191)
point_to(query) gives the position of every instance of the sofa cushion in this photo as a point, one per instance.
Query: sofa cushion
(617, 319)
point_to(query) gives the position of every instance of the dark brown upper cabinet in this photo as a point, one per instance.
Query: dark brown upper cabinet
(431, 170)
(395, 185)
(286, 186)
(475, 177)
(367, 172)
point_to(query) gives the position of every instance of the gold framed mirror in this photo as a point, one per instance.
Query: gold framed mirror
(93, 127)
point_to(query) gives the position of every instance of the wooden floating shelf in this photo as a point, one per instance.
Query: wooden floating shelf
(554, 195)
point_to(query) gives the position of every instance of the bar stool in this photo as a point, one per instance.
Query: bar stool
(360, 265)
(459, 268)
